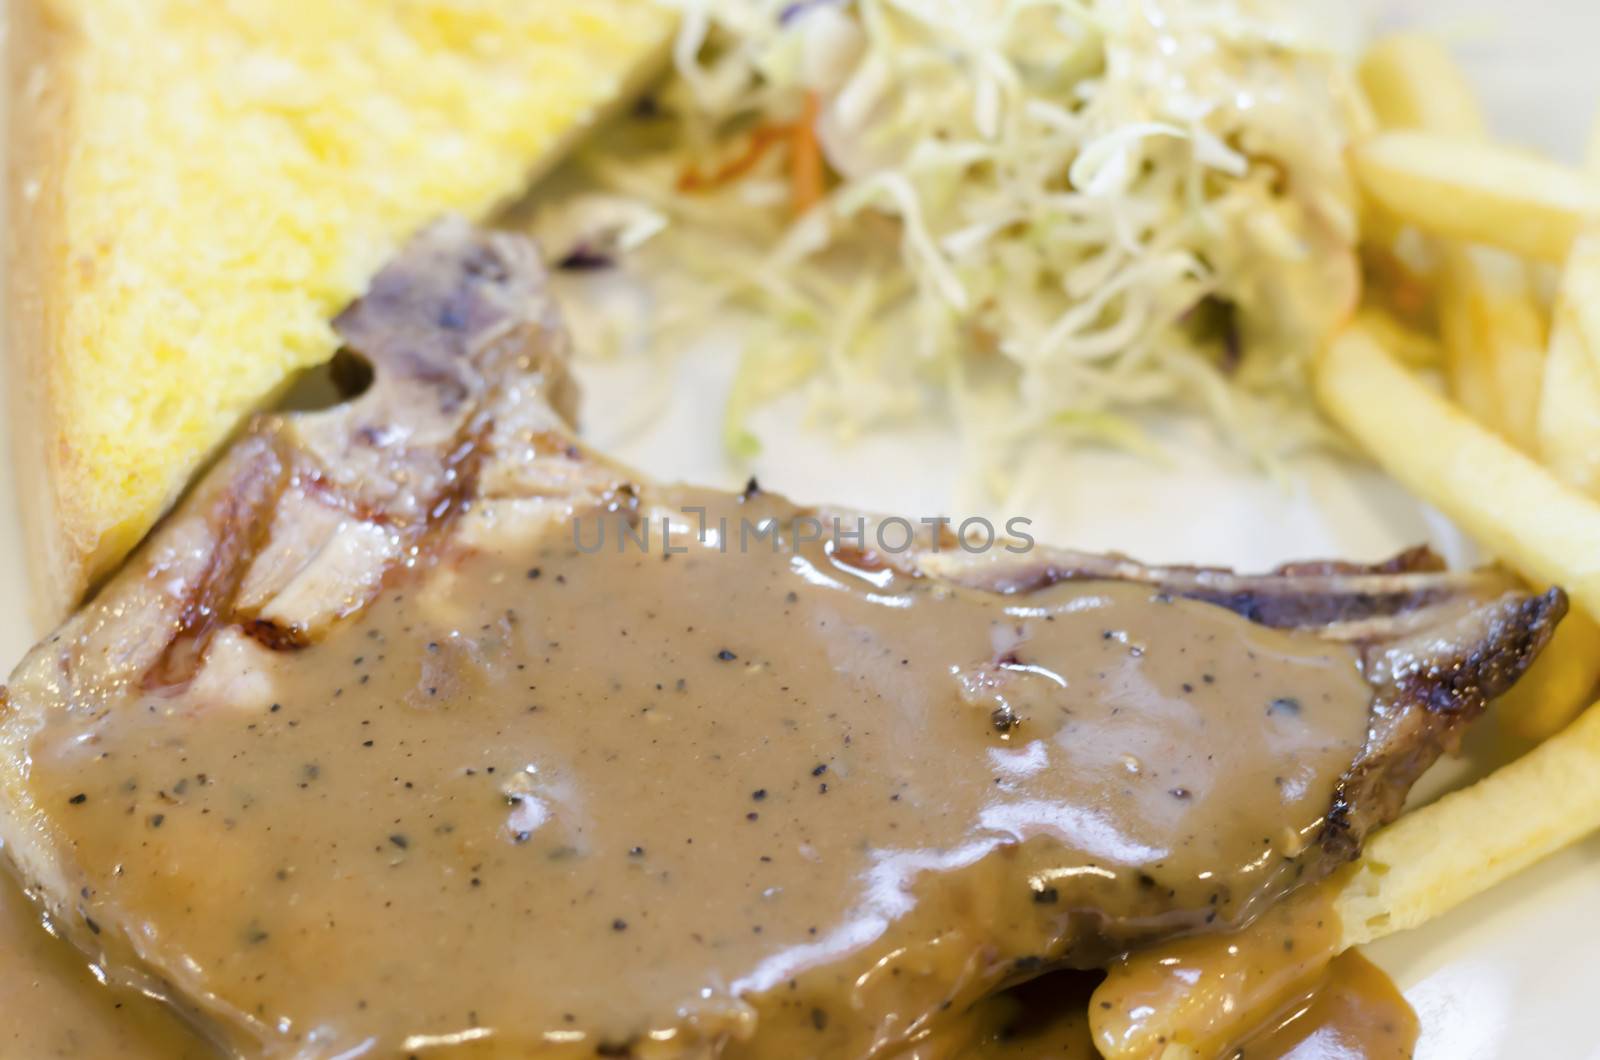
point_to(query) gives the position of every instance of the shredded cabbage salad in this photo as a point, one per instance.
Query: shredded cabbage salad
(1039, 215)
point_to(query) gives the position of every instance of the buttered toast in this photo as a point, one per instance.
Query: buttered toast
(197, 188)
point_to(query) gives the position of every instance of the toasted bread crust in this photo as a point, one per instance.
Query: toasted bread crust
(234, 180)
(39, 112)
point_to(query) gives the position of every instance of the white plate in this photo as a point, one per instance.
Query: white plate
(1510, 974)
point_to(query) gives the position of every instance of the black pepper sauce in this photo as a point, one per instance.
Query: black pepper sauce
(1043, 1019)
(1279, 989)
(1344, 1009)
(51, 1006)
(1352, 1012)
(646, 802)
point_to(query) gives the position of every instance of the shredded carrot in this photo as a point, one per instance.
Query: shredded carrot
(805, 158)
(761, 141)
(806, 170)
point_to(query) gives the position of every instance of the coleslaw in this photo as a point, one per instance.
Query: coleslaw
(1038, 214)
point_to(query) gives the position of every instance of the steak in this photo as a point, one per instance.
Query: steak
(419, 728)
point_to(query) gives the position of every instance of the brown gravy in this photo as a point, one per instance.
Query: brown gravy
(1354, 1012)
(52, 1007)
(544, 801)
(1280, 988)
(1043, 1019)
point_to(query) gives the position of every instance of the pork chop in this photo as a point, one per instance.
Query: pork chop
(420, 728)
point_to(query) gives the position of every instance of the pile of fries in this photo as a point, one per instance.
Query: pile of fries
(1483, 274)
(1512, 454)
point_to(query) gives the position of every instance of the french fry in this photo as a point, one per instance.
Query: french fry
(1541, 526)
(1416, 349)
(1412, 83)
(1494, 338)
(1493, 330)
(1437, 857)
(1401, 288)
(1551, 406)
(1559, 684)
(1416, 869)
(1569, 412)
(1568, 429)
(1569, 408)
(1478, 193)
